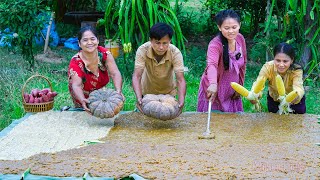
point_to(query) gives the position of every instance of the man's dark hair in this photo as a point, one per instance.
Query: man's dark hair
(159, 30)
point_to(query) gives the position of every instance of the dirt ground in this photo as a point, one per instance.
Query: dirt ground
(256, 145)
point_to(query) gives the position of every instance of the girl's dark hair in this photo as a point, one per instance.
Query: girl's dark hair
(159, 30)
(288, 50)
(87, 28)
(219, 18)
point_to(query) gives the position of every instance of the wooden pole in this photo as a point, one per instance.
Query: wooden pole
(48, 34)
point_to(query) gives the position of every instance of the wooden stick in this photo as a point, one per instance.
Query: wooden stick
(48, 33)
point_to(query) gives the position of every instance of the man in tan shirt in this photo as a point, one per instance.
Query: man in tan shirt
(159, 66)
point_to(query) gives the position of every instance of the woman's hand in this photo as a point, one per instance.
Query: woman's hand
(212, 91)
(235, 95)
(84, 103)
(120, 92)
(253, 101)
(295, 101)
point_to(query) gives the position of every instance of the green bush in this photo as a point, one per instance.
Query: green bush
(24, 18)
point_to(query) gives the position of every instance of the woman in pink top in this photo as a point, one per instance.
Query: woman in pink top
(226, 62)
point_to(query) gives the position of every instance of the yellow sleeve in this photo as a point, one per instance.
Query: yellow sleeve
(297, 82)
(262, 74)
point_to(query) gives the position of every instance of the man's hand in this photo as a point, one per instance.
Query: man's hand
(138, 104)
(181, 105)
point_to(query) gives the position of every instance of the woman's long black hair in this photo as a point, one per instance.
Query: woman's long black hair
(219, 18)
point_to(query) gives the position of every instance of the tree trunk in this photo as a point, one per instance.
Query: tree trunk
(60, 9)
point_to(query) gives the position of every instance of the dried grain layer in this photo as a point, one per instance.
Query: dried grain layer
(262, 145)
(50, 132)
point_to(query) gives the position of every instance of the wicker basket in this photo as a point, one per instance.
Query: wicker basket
(37, 107)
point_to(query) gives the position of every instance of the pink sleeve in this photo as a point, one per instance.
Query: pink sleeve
(213, 56)
(244, 51)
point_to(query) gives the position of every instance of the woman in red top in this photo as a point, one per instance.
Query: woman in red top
(90, 68)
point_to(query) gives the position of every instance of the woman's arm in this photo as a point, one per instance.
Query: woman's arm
(114, 73)
(297, 85)
(76, 84)
(214, 54)
(264, 73)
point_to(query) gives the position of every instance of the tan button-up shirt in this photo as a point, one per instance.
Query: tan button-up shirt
(292, 80)
(158, 77)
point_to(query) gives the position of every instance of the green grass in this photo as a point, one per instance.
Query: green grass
(14, 74)
(14, 71)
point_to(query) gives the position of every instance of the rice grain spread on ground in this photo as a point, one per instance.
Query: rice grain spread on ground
(253, 145)
(52, 131)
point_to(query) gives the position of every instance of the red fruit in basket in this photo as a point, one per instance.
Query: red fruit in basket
(51, 95)
(45, 98)
(45, 91)
(40, 100)
(26, 97)
(54, 94)
(36, 100)
(35, 92)
(31, 98)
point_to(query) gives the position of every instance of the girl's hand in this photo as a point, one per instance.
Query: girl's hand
(235, 95)
(121, 95)
(212, 91)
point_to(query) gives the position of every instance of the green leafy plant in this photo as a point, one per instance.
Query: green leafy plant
(22, 17)
(252, 12)
(262, 50)
(130, 21)
(299, 22)
(101, 5)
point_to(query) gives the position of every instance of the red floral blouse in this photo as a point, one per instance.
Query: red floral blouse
(90, 82)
